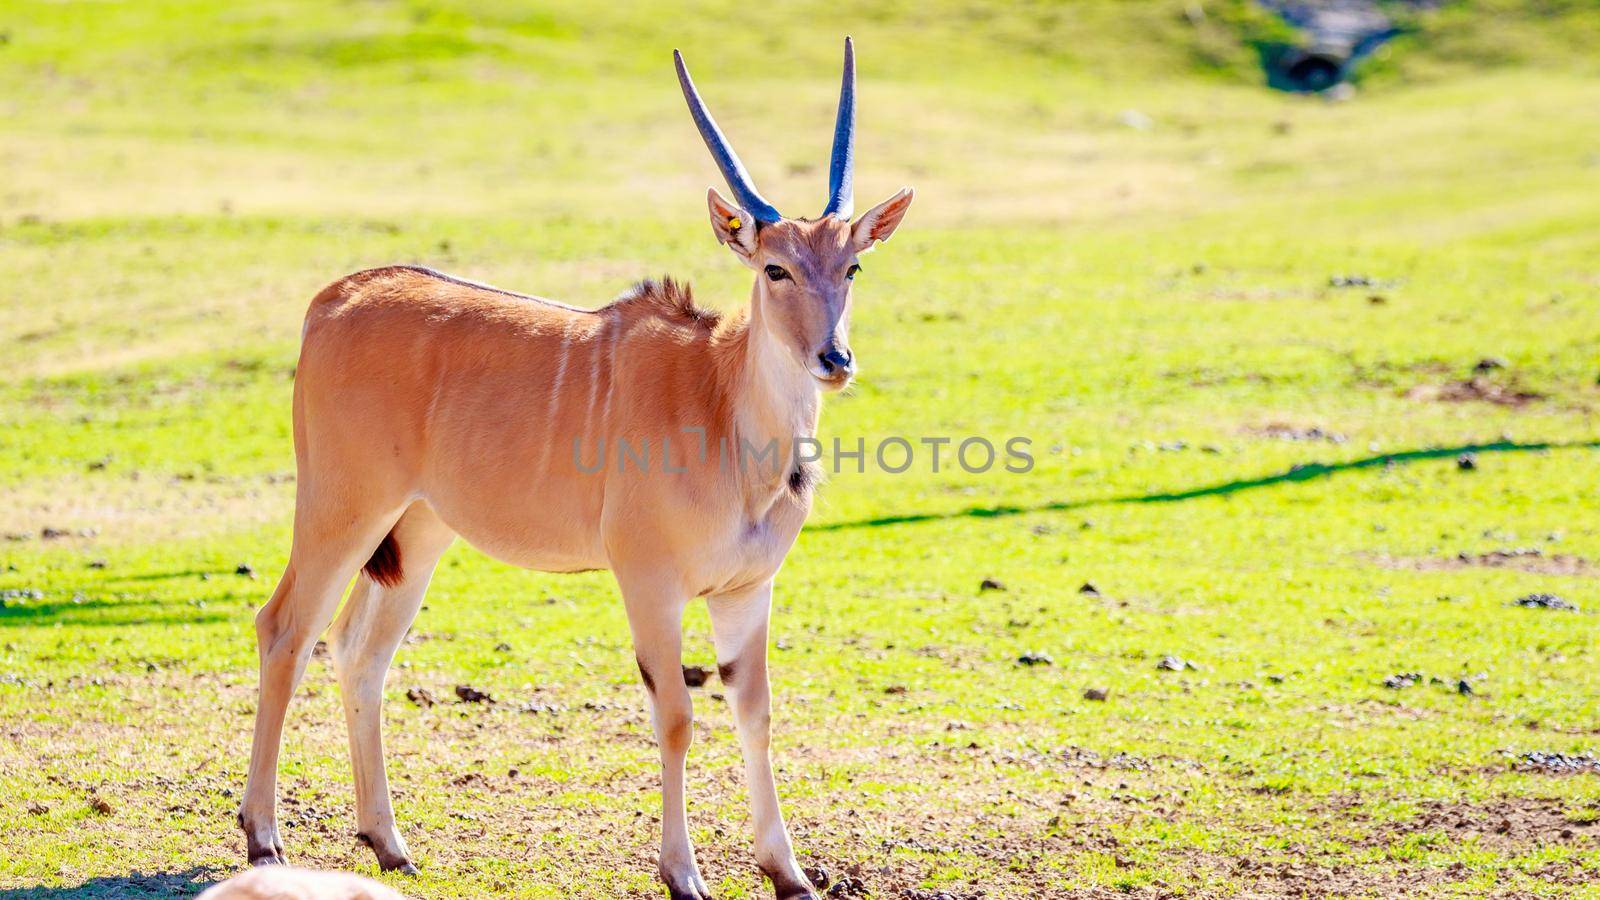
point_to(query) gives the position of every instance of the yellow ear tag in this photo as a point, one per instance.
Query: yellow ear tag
(733, 223)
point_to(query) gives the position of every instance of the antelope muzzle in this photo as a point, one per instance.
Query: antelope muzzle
(836, 365)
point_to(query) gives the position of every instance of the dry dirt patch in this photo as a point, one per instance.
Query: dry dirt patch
(1529, 559)
(1504, 822)
(73, 509)
(1275, 879)
(1475, 390)
(1284, 431)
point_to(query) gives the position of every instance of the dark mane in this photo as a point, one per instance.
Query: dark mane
(669, 299)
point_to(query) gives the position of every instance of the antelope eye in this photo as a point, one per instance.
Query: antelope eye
(850, 273)
(776, 273)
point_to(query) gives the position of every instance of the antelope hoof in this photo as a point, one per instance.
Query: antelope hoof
(389, 860)
(686, 886)
(271, 856)
(262, 847)
(789, 883)
(796, 892)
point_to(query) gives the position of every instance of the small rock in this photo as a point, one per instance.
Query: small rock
(421, 697)
(1463, 687)
(244, 569)
(100, 804)
(1558, 763)
(695, 676)
(1377, 299)
(1467, 462)
(36, 808)
(1096, 693)
(502, 647)
(1175, 664)
(1138, 121)
(1090, 589)
(991, 584)
(1489, 364)
(97, 564)
(895, 689)
(1545, 601)
(470, 694)
(19, 596)
(848, 886)
(1034, 658)
(818, 876)
(1402, 680)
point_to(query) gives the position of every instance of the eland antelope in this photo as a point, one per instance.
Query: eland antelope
(427, 407)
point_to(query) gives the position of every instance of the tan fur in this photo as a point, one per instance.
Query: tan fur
(427, 407)
(287, 883)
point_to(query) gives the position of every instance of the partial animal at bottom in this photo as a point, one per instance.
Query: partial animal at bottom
(290, 883)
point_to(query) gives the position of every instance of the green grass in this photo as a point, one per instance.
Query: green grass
(1144, 304)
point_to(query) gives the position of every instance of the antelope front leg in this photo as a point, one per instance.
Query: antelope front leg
(739, 626)
(655, 616)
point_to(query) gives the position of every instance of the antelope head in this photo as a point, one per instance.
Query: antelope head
(804, 267)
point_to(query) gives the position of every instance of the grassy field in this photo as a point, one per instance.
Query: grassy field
(1242, 329)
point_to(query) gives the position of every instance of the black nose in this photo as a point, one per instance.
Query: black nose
(835, 361)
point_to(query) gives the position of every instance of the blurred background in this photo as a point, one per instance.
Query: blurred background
(1299, 303)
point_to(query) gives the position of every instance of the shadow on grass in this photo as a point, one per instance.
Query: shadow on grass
(181, 573)
(1299, 472)
(135, 884)
(104, 612)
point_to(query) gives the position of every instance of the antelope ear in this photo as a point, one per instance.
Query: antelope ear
(732, 226)
(877, 223)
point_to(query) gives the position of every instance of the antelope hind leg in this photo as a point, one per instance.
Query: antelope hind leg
(321, 563)
(363, 640)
